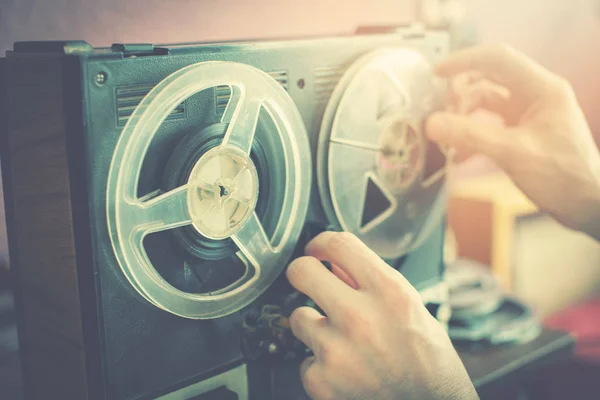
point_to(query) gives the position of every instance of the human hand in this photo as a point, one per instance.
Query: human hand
(545, 145)
(377, 340)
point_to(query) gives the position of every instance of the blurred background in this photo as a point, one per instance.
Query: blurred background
(548, 266)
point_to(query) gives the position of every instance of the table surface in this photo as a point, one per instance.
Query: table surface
(492, 367)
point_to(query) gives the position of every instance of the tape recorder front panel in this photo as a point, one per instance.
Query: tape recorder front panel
(189, 175)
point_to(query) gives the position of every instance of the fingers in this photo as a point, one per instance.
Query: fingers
(459, 82)
(341, 274)
(484, 94)
(348, 253)
(314, 379)
(309, 276)
(310, 327)
(470, 136)
(462, 157)
(503, 65)
(305, 365)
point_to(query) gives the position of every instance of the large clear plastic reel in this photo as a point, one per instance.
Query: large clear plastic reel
(373, 153)
(220, 196)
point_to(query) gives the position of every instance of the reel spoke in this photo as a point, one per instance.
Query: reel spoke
(210, 174)
(396, 84)
(216, 218)
(244, 191)
(242, 118)
(253, 242)
(167, 211)
(241, 198)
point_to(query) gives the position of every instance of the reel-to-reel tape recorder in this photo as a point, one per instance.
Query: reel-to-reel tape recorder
(155, 195)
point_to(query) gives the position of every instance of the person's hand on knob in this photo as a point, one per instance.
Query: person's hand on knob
(377, 340)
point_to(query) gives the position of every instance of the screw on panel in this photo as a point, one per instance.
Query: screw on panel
(101, 78)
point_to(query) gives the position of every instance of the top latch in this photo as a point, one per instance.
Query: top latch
(138, 49)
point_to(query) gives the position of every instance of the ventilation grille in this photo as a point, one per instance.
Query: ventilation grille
(326, 78)
(223, 93)
(128, 98)
(281, 77)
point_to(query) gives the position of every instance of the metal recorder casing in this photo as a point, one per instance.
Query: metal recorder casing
(155, 194)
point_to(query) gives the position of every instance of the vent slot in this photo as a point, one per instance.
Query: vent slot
(223, 93)
(128, 98)
(326, 78)
(281, 77)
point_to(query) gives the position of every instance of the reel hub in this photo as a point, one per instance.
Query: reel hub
(401, 156)
(224, 194)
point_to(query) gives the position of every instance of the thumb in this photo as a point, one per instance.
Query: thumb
(469, 136)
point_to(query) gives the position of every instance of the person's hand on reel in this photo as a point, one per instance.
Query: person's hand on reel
(545, 145)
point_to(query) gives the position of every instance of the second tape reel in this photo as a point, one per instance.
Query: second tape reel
(379, 177)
